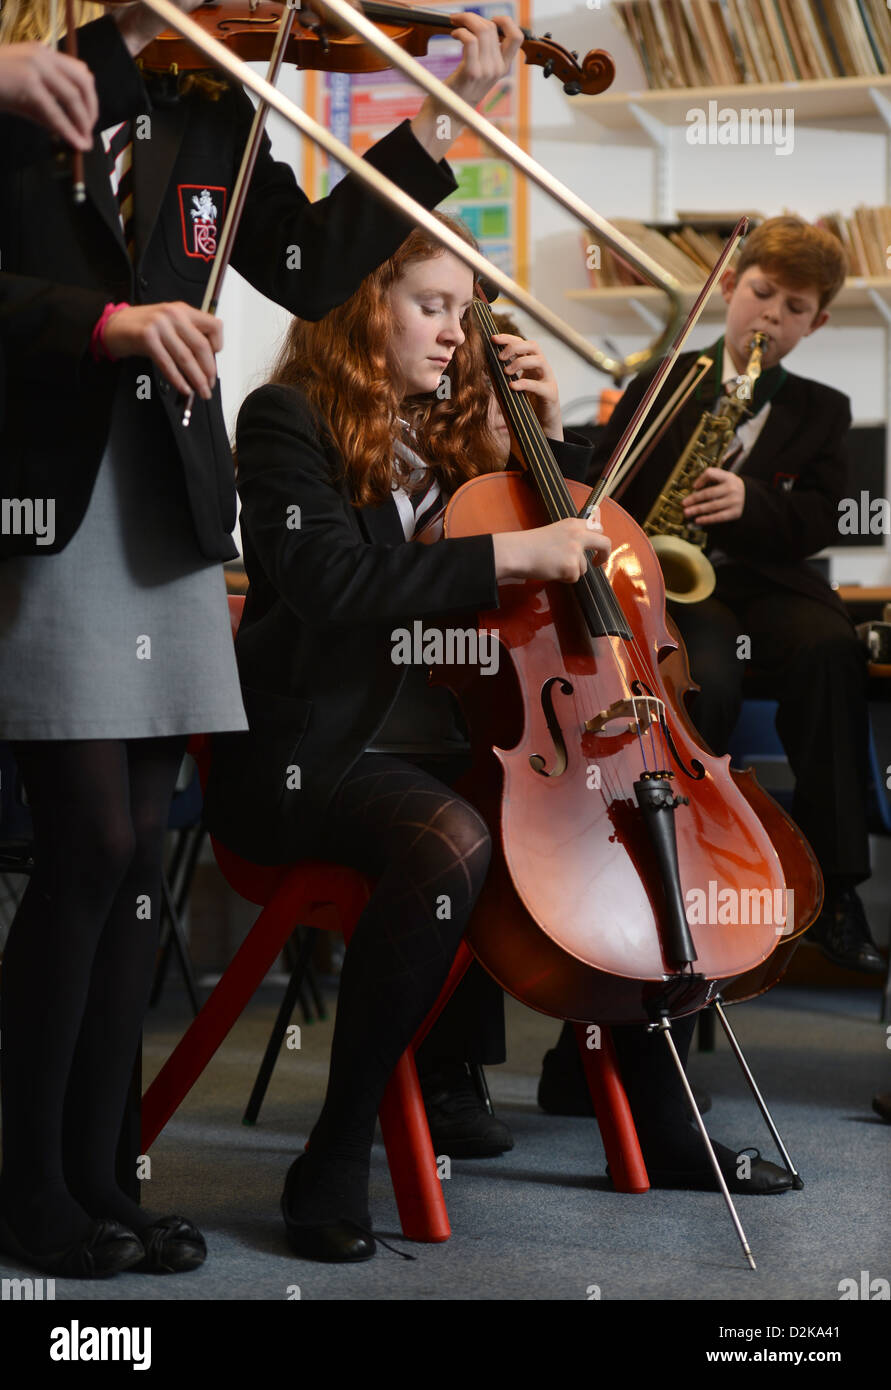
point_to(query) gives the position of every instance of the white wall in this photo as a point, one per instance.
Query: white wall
(828, 170)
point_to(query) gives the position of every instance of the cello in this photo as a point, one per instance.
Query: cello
(608, 809)
(605, 809)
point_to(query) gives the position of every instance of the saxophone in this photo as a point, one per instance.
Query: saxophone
(679, 545)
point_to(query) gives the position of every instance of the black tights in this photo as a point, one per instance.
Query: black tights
(430, 851)
(77, 974)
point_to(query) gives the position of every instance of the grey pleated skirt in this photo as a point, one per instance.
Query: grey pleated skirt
(125, 633)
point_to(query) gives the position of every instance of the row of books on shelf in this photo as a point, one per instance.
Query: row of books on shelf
(689, 247)
(866, 236)
(719, 43)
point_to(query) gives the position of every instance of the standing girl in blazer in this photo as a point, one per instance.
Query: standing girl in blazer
(373, 417)
(114, 632)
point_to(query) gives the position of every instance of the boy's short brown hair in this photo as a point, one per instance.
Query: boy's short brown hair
(798, 253)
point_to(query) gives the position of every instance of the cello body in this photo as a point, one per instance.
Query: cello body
(573, 917)
(804, 879)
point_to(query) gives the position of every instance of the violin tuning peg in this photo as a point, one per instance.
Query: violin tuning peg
(574, 53)
(547, 36)
(548, 67)
(571, 89)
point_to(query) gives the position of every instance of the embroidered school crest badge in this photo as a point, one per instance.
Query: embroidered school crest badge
(201, 212)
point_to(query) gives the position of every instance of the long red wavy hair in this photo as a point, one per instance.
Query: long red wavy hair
(342, 366)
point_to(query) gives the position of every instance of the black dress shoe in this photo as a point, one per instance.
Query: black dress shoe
(343, 1242)
(107, 1248)
(842, 933)
(563, 1088)
(764, 1178)
(460, 1124)
(171, 1246)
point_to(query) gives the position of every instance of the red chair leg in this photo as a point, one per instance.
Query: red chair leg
(410, 1156)
(626, 1165)
(205, 1034)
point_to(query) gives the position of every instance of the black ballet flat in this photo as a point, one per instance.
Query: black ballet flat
(342, 1242)
(171, 1245)
(108, 1248)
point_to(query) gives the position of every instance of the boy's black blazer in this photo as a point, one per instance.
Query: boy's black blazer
(314, 645)
(307, 257)
(795, 476)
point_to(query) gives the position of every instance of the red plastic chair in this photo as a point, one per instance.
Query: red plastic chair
(320, 894)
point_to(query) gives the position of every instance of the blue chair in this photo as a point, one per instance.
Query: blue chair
(756, 741)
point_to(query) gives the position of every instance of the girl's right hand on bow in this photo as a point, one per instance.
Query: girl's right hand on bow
(559, 551)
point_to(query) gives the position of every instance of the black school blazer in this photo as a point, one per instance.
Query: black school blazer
(314, 643)
(795, 476)
(58, 401)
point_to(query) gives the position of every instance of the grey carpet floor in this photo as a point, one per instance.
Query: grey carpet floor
(541, 1222)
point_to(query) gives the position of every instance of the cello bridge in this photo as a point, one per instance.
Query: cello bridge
(640, 711)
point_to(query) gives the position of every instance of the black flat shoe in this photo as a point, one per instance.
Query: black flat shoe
(336, 1242)
(764, 1178)
(108, 1248)
(171, 1246)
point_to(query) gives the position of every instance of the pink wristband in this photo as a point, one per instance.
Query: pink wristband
(97, 338)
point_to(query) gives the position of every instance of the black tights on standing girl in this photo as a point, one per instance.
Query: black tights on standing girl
(77, 972)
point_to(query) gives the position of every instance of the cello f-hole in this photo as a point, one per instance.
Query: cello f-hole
(536, 760)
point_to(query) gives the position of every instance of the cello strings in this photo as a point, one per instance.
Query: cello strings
(559, 503)
(553, 488)
(554, 492)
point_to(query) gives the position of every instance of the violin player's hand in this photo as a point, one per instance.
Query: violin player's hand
(51, 89)
(139, 26)
(526, 362)
(559, 551)
(179, 339)
(488, 56)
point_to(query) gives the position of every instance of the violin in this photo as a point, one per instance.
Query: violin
(604, 806)
(248, 28)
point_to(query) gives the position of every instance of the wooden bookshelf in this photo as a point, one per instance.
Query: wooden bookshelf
(828, 99)
(855, 297)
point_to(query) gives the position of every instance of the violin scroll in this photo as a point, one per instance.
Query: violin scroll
(589, 77)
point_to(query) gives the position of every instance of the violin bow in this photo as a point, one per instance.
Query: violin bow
(79, 187)
(212, 293)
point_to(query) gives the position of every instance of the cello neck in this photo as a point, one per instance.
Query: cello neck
(529, 442)
(599, 605)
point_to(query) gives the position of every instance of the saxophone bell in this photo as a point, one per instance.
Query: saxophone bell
(689, 575)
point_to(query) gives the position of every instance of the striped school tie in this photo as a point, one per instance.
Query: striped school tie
(118, 142)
